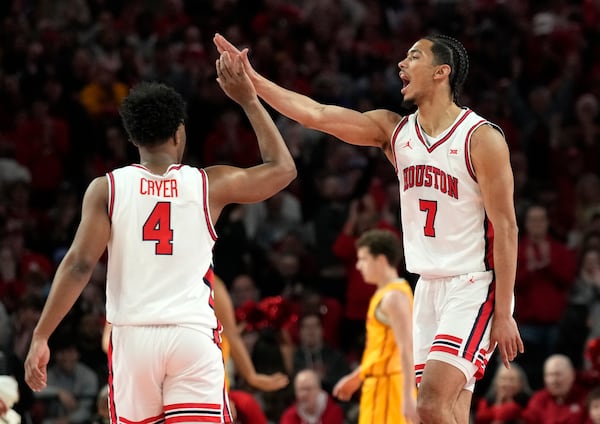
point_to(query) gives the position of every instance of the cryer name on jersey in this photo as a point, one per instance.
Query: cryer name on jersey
(164, 188)
(430, 176)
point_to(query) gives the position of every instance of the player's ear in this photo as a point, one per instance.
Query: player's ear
(442, 71)
(179, 136)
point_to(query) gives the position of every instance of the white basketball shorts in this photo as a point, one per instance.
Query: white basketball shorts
(451, 323)
(166, 374)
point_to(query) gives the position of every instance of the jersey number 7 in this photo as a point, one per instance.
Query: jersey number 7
(430, 207)
(157, 228)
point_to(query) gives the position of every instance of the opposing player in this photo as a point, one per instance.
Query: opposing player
(386, 369)
(156, 218)
(458, 218)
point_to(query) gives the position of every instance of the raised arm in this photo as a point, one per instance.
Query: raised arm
(373, 128)
(71, 277)
(490, 157)
(225, 313)
(230, 184)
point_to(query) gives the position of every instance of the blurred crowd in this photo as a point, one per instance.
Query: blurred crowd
(289, 262)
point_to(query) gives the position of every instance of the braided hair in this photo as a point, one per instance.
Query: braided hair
(451, 52)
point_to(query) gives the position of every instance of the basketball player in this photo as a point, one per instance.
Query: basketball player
(386, 369)
(458, 218)
(156, 218)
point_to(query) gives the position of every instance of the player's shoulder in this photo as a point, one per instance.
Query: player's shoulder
(483, 127)
(396, 292)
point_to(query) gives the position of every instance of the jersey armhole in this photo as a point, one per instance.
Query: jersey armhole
(209, 224)
(111, 194)
(395, 133)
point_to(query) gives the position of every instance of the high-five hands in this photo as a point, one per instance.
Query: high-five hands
(233, 79)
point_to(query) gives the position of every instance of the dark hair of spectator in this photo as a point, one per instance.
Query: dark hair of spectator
(309, 315)
(152, 113)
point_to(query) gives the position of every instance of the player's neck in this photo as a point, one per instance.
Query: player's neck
(157, 162)
(387, 277)
(435, 116)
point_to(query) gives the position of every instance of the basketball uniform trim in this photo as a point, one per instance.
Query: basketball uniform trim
(443, 139)
(209, 223)
(446, 343)
(111, 391)
(226, 412)
(193, 412)
(401, 124)
(419, 372)
(152, 420)
(111, 194)
(468, 149)
(482, 322)
(488, 234)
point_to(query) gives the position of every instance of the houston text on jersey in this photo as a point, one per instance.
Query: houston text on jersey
(430, 176)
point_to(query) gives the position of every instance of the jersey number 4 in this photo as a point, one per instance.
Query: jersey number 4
(157, 228)
(430, 208)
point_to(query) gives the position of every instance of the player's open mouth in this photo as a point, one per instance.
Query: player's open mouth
(405, 82)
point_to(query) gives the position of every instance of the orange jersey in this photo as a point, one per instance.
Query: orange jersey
(381, 370)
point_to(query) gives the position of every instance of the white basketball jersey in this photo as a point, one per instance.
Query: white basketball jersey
(445, 228)
(160, 249)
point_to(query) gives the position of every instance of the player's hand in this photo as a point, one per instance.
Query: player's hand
(36, 364)
(233, 79)
(409, 410)
(269, 383)
(225, 46)
(345, 388)
(505, 335)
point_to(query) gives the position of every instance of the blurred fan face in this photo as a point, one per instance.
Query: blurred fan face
(558, 377)
(67, 358)
(307, 389)
(536, 222)
(509, 381)
(595, 411)
(311, 332)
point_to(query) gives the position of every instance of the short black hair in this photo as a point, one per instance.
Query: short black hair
(152, 113)
(382, 242)
(451, 52)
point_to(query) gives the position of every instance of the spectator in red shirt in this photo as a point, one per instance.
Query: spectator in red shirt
(506, 399)
(231, 142)
(363, 216)
(313, 404)
(246, 408)
(562, 401)
(545, 273)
